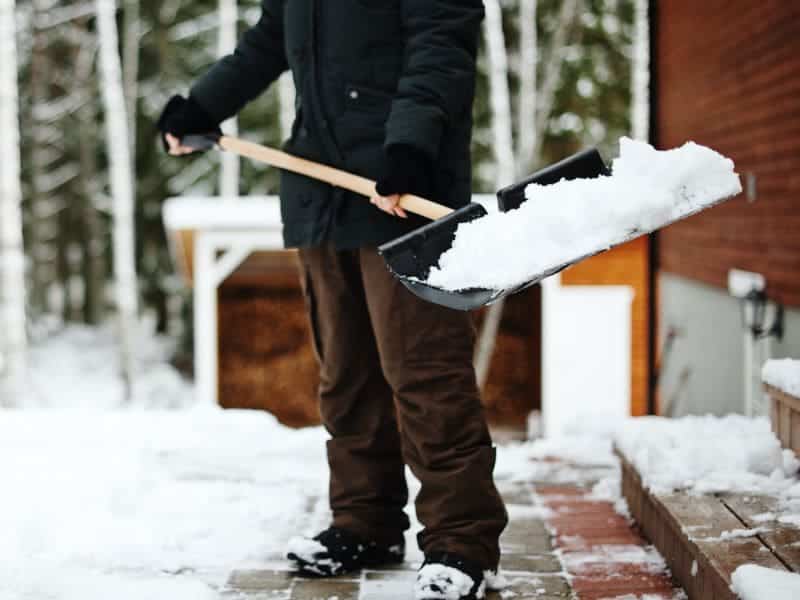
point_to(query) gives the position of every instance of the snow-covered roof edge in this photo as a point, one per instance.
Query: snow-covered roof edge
(216, 212)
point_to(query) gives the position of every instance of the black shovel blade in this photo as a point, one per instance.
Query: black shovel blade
(586, 164)
(411, 257)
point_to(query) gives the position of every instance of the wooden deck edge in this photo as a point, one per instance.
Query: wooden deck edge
(785, 417)
(699, 577)
(792, 401)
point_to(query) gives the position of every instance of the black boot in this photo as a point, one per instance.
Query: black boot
(336, 551)
(447, 576)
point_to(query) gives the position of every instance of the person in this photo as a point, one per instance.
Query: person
(384, 89)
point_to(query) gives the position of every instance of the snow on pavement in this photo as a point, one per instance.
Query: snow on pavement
(77, 367)
(569, 219)
(149, 504)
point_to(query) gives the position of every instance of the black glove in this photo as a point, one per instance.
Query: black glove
(184, 116)
(406, 171)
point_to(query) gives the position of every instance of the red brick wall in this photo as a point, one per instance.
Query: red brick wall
(728, 76)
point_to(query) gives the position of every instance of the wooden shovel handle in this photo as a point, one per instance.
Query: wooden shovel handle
(336, 177)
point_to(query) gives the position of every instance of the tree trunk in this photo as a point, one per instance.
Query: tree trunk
(130, 68)
(528, 41)
(552, 74)
(12, 258)
(229, 172)
(43, 226)
(640, 75)
(94, 240)
(121, 185)
(500, 102)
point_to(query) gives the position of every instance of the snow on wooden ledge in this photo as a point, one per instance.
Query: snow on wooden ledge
(720, 500)
(782, 383)
(708, 455)
(752, 582)
(783, 374)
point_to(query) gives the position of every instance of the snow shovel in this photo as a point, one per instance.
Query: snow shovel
(411, 256)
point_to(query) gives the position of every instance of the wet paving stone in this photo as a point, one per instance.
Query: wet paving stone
(260, 581)
(387, 585)
(526, 536)
(529, 587)
(516, 493)
(325, 589)
(258, 584)
(531, 563)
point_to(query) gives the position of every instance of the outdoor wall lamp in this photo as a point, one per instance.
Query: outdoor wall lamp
(761, 317)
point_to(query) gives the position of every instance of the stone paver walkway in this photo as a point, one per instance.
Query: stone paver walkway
(603, 554)
(560, 543)
(529, 564)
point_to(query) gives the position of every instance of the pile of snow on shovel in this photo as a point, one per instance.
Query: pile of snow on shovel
(570, 219)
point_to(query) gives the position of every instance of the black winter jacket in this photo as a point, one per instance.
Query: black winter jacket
(369, 74)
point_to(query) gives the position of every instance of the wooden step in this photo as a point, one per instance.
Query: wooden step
(690, 532)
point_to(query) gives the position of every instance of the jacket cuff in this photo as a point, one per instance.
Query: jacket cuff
(420, 127)
(204, 105)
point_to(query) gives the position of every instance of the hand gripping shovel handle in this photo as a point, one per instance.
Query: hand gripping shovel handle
(287, 162)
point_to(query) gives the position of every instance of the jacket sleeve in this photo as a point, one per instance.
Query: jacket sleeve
(437, 82)
(238, 78)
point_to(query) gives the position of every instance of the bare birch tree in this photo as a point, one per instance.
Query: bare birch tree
(130, 65)
(554, 60)
(121, 180)
(229, 172)
(640, 75)
(44, 154)
(500, 102)
(94, 256)
(12, 259)
(528, 54)
(535, 106)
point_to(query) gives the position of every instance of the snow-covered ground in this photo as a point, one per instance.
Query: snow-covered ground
(152, 504)
(153, 499)
(77, 367)
(570, 219)
(160, 499)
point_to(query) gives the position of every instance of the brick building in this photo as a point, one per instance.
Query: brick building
(725, 75)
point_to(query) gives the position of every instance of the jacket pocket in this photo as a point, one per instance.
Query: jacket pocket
(368, 99)
(361, 129)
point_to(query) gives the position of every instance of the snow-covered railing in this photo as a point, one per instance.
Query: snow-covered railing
(782, 384)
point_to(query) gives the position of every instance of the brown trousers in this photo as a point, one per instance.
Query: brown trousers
(397, 387)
